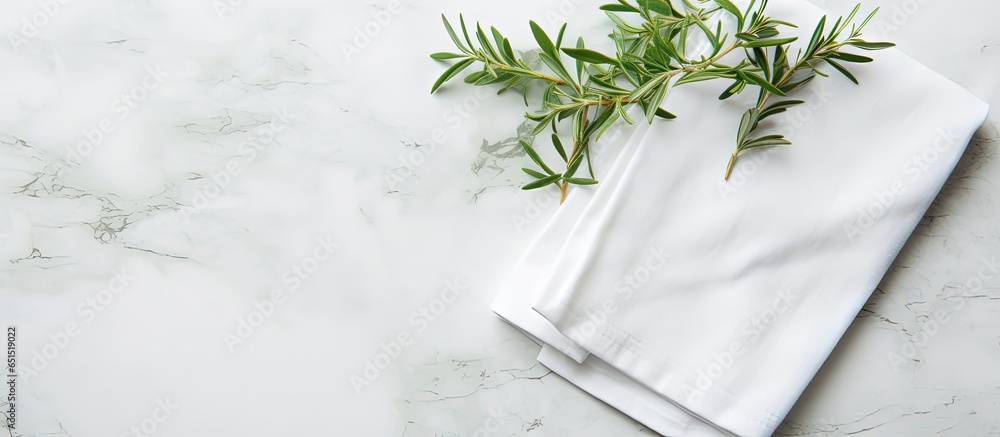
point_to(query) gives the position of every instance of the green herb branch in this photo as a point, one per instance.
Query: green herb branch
(651, 57)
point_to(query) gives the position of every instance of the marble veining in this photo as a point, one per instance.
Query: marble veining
(249, 217)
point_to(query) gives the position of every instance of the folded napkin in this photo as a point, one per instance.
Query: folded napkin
(534, 270)
(765, 276)
(764, 273)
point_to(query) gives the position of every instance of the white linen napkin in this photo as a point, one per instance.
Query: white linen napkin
(766, 272)
(535, 269)
(626, 395)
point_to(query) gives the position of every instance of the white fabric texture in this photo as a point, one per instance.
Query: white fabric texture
(533, 272)
(626, 395)
(765, 272)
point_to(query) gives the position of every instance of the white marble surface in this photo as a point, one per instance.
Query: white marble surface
(248, 149)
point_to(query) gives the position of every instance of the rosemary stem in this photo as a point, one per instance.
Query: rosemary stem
(576, 147)
(732, 163)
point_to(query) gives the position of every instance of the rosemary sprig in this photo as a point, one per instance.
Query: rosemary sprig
(652, 56)
(782, 77)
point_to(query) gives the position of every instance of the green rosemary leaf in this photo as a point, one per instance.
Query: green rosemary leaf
(842, 70)
(574, 166)
(534, 157)
(578, 124)
(732, 9)
(655, 101)
(557, 67)
(451, 72)
(767, 32)
(760, 54)
(659, 6)
(784, 104)
(770, 140)
(559, 147)
(662, 113)
(508, 51)
(650, 58)
(836, 26)
(580, 181)
(869, 18)
(760, 81)
(769, 42)
(817, 36)
(534, 174)
(454, 37)
(617, 7)
(735, 88)
(850, 17)
(624, 26)
(587, 55)
(446, 55)
(624, 115)
(606, 122)
(543, 40)
(695, 77)
(866, 45)
(641, 91)
(747, 124)
(850, 57)
(605, 84)
(765, 114)
(497, 36)
(543, 122)
(787, 88)
(485, 42)
(601, 123)
(476, 76)
(465, 32)
(541, 182)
